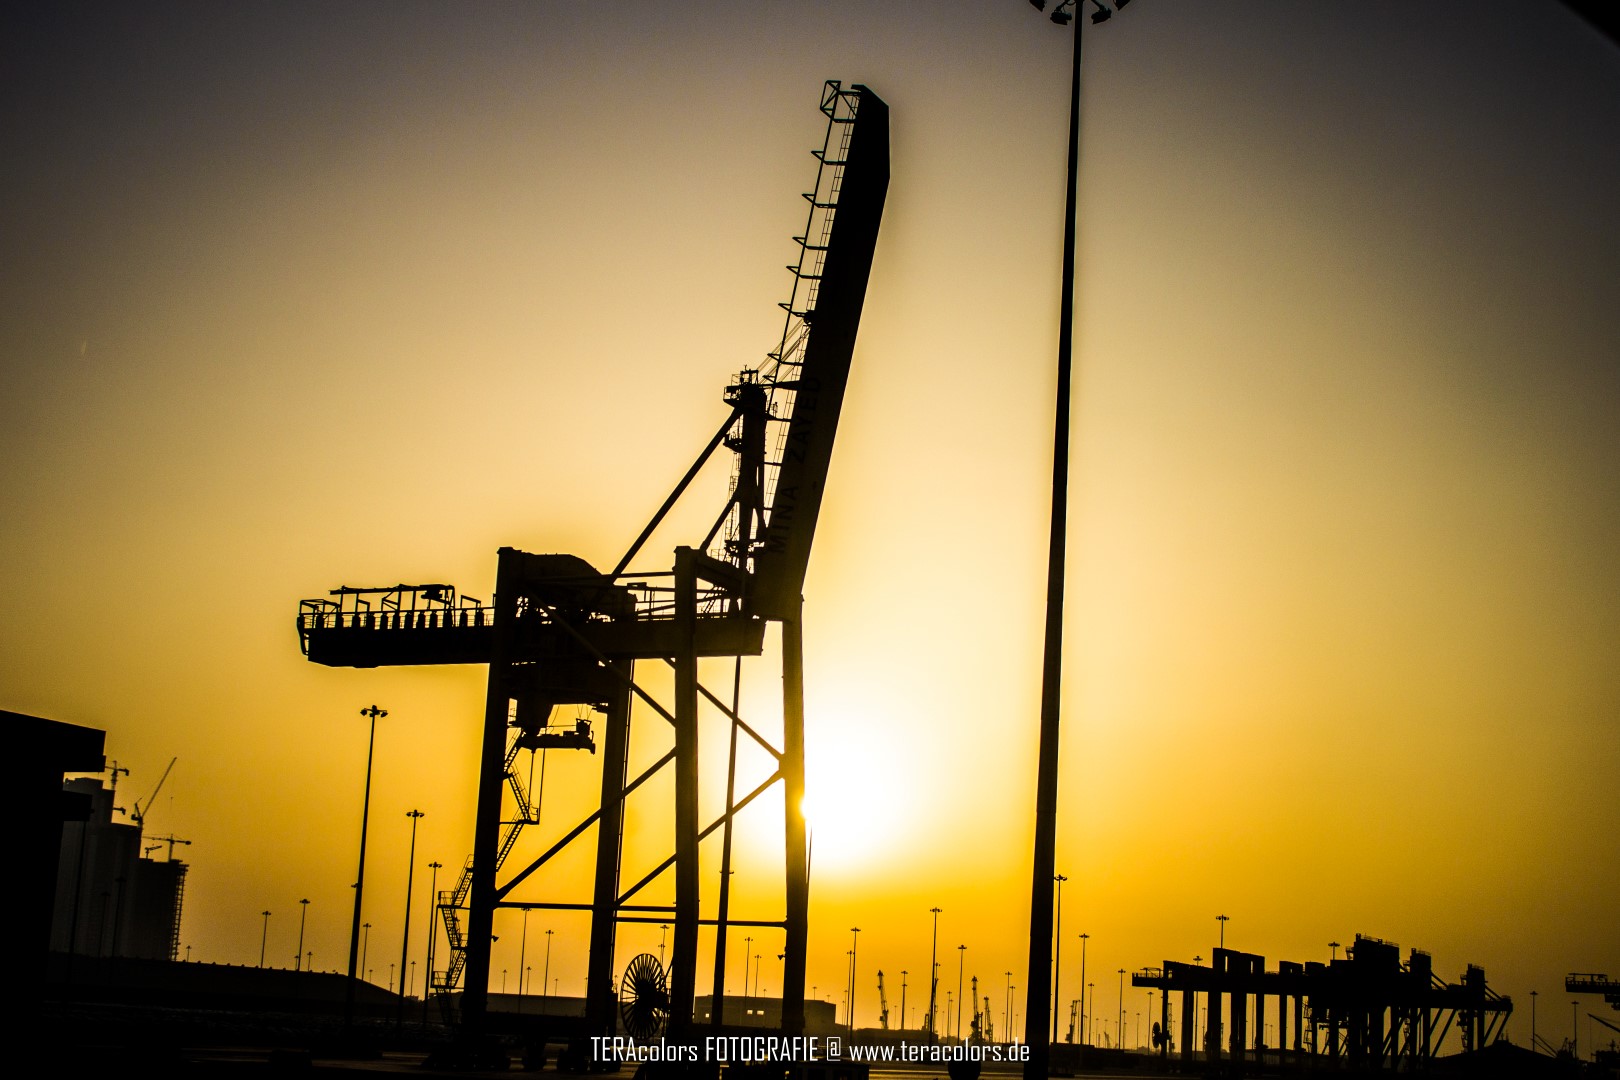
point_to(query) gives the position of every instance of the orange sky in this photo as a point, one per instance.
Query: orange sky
(300, 298)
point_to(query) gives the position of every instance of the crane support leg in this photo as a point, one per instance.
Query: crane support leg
(797, 851)
(491, 779)
(599, 986)
(683, 958)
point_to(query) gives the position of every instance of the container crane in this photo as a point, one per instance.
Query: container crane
(883, 1004)
(559, 632)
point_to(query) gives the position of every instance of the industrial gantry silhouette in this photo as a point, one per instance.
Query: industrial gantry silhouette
(558, 632)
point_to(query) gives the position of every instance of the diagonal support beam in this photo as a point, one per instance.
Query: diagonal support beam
(573, 833)
(731, 714)
(667, 863)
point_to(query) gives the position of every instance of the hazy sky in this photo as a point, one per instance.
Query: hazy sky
(299, 295)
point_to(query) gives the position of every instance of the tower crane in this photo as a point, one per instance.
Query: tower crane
(138, 815)
(883, 1004)
(171, 840)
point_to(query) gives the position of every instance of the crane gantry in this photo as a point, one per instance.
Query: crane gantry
(559, 633)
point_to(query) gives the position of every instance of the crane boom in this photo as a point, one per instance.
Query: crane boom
(138, 814)
(883, 1004)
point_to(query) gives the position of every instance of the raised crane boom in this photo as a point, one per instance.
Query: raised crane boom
(138, 815)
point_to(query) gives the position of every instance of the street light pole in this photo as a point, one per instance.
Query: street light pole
(1533, 995)
(433, 906)
(298, 957)
(546, 972)
(1006, 1009)
(1083, 939)
(360, 875)
(1222, 919)
(1120, 1033)
(523, 952)
(405, 939)
(854, 944)
(365, 945)
(264, 935)
(1057, 954)
(961, 963)
(933, 976)
(1039, 990)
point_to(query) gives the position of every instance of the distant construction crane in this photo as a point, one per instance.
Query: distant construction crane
(138, 815)
(883, 1004)
(557, 632)
(160, 841)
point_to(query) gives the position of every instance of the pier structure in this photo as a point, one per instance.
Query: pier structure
(1368, 1010)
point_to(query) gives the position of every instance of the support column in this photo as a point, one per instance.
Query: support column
(1189, 1016)
(1213, 1025)
(798, 851)
(1282, 1023)
(1240, 1029)
(491, 780)
(1164, 1023)
(599, 982)
(683, 958)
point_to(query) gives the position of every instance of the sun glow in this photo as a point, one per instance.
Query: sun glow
(855, 809)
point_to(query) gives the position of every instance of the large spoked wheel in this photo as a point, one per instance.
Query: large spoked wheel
(644, 998)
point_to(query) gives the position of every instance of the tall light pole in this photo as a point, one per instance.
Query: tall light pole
(1057, 954)
(264, 935)
(523, 952)
(1039, 991)
(433, 906)
(1223, 919)
(360, 875)
(663, 929)
(1006, 1009)
(365, 945)
(903, 974)
(961, 963)
(1083, 939)
(1092, 1021)
(546, 971)
(1334, 945)
(1533, 995)
(854, 944)
(933, 975)
(298, 957)
(1120, 1034)
(405, 938)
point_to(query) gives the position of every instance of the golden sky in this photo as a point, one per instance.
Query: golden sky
(302, 296)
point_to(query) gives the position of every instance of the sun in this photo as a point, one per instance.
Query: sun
(856, 808)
